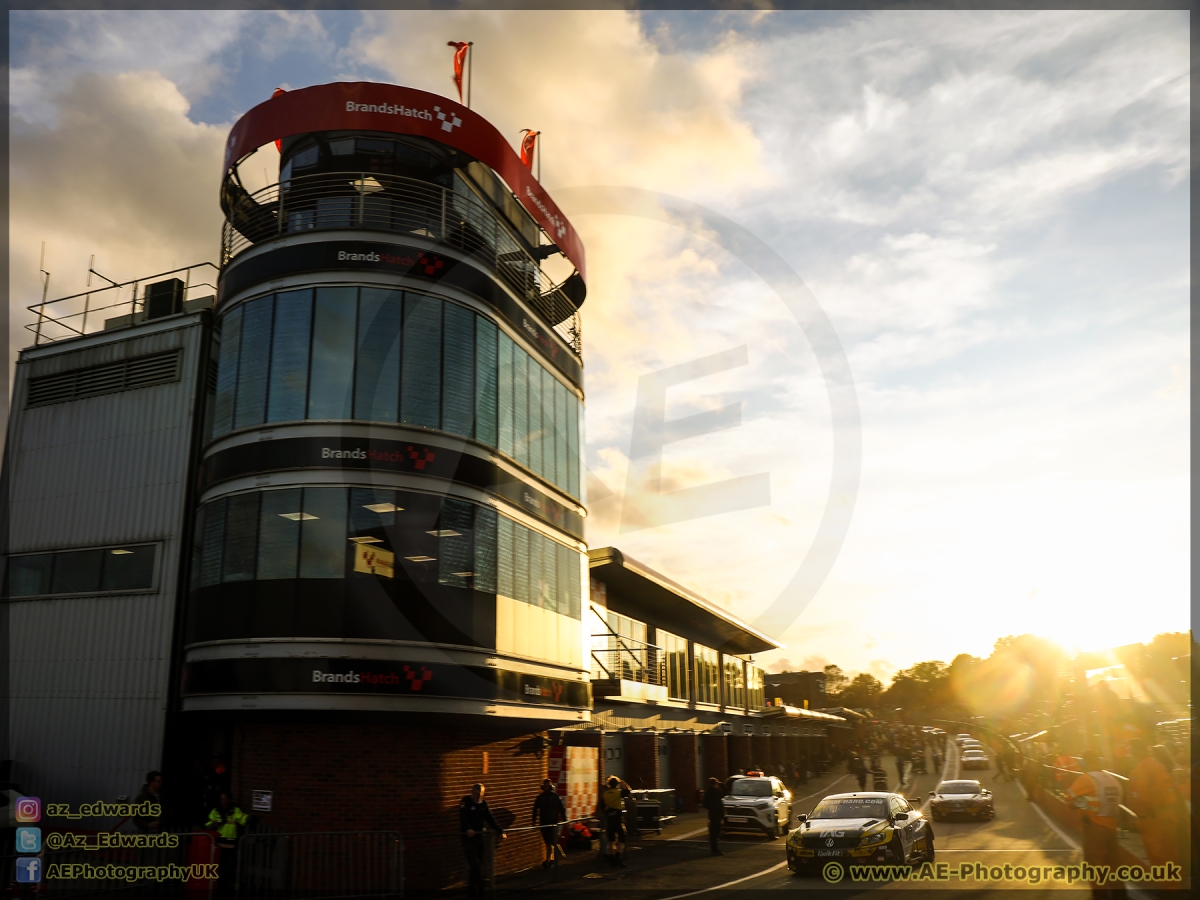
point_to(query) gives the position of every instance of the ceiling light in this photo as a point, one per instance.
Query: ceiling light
(420, 558)
(445, 532)
(367, 540)
(298, 517)
(464, 574)
(384, 507)
(121, 552)
(368, 185)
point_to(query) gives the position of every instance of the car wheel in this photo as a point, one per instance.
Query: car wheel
(929, 851)
(896, 848)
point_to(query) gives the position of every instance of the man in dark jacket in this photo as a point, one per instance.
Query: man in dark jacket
(714, 796)
(150, 794)
(473, 818)
(548, 811)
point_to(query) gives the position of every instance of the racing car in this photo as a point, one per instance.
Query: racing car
(862, 828)
(961, 798)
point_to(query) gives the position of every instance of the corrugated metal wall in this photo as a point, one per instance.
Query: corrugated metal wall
(88, 676)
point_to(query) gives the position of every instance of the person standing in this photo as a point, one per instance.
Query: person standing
(150, 793)
(1098, 794)
(900, 751)
(549, 811)
(474, 818)
(612, 801)
(714, 802)
(1152, 797)
(225, 819)
(858, 770)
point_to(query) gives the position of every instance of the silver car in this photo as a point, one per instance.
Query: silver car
(961, 798)
(760, 804)
(975, 759)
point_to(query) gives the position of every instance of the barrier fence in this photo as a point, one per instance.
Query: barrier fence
(270, 865)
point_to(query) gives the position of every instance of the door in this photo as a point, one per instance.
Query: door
(614, 755)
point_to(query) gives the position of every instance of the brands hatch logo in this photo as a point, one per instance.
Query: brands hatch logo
(431, 263)
(448, 124)
(560, 227)
(391, 109)
(554, 692)
(408, 676)
(416, 679)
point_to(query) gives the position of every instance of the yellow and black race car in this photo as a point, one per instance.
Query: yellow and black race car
(863, 828)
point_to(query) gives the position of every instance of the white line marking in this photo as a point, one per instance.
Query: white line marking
(1027, 850)
(822, 790)
(684, 837)
(717, 887)
(1062, 834)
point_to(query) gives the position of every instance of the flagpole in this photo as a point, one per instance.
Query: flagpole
(539, 158)
(470, 69)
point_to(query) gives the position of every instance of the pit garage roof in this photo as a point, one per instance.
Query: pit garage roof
(796, 712)
(639, 592)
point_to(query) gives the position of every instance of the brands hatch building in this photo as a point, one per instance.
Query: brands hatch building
(321, 514)
(307, 525)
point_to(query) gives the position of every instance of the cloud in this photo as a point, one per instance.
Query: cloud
(123, 174)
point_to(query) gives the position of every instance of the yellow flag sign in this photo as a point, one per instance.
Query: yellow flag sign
(374, 561)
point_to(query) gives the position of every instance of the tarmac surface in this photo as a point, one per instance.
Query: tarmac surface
(676, 864)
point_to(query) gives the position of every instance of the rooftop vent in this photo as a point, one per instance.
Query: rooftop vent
(107, 378)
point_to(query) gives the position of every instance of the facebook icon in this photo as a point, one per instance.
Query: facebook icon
(29, 869)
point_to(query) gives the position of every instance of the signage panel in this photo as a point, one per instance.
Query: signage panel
(288, 675)
(387, 456)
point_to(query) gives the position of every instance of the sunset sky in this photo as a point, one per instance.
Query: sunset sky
(990, 208)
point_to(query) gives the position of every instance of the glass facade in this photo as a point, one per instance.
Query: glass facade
(754, 688)
(734, 682)
(378, 355)
(674, 650)
(708, 675)
(338, 561)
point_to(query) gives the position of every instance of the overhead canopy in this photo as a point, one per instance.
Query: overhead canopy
(639, 592)
(796, 712)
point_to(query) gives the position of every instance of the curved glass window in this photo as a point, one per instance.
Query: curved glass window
(379, 355)
(366, 562)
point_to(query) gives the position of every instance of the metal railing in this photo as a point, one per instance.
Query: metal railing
(142, 872)
(115, 305)
(630, 661)
(453, 217)
(320, 864)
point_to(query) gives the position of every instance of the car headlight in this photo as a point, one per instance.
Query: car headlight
(877, 838)
(766, 804)
(979, 801)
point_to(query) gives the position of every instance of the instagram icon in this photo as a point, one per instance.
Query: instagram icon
(29, 809)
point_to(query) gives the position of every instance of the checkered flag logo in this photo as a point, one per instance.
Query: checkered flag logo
(449, 123)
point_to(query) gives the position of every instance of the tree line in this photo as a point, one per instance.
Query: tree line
(1024, 674)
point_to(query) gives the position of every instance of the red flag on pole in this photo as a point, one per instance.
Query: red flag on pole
(278, 142)
(528, 142)
(460, 56)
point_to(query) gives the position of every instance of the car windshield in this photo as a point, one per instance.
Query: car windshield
(958, 787)
(973, 753)
(850, 808)
(746, 787)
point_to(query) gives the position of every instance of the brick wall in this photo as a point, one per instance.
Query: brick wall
(641, 759)
(716, 757)
(388, 776)
(739, 753)
(760, 752)
(682, 752)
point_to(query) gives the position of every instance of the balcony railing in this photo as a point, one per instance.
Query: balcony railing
(635, 661)
(454, 217)
(118, 305)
